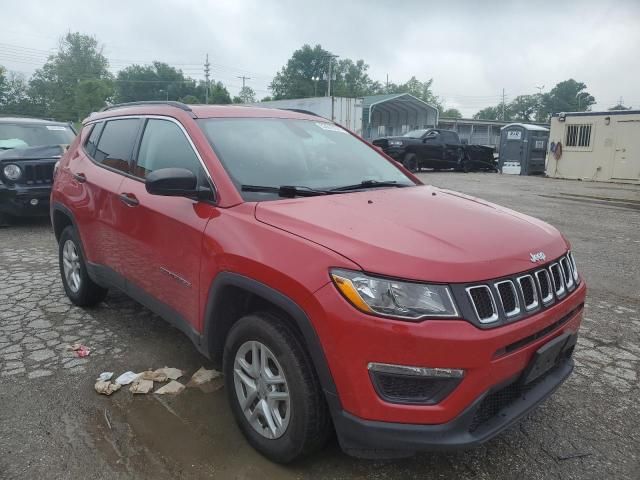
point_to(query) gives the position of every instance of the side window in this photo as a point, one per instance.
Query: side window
(164, 145)
(116, 143)
(92, 141)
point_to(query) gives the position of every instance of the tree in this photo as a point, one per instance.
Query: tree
(53, 88)
(14, 99)
(246, 95)
(524, 107)
(295, 79)
(218, 94)
(417, 88)
(566, 96)
(158, 81)
(499, 112)
(267, 99)
(190, 99)
(91, 95)
(451, 113)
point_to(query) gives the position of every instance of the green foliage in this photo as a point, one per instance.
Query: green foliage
(218, 94)
(53, 89)
(295, 79)
(451, 113)
(417, 88)
(566, 96)
(190, 99)
(246, 95)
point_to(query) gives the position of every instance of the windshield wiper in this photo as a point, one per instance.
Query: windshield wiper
(287, 191)
(369, 184)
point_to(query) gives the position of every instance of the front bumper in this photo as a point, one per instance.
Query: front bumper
(351, 340)
(16, 200)
(357, 434)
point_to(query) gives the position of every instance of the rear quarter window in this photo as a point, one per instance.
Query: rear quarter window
(115, 144)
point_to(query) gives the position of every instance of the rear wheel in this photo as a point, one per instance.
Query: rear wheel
(272, 388)
(78, 286)
(410, 162)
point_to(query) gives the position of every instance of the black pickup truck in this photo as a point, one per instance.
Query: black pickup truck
(438, 149)
(29, 149)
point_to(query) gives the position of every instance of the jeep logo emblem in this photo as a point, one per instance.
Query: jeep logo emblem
(538, 257)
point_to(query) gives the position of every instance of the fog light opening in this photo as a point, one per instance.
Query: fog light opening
(34, 201)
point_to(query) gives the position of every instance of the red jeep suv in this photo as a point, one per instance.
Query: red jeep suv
(334, 289)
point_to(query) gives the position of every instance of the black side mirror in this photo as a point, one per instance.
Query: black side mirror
(173, 182)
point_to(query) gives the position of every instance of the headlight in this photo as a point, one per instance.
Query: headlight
(12, 172)
(393, 298)
(395, 143)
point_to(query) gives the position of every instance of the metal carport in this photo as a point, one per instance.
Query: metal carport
(395, 114)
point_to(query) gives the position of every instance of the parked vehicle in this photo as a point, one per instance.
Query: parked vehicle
(292, 261)
(438, 149)
(29, 148)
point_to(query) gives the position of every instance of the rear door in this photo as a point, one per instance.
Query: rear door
(163, 235)
(431, 150)
(98, 171)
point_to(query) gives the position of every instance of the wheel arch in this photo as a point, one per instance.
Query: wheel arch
(232, 295)
(61, 218)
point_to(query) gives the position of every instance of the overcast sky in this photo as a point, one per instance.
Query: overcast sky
(472, 49)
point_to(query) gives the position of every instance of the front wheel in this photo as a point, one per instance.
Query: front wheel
(272, 388)
(78, 286)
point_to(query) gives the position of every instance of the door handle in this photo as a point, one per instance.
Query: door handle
(129, 199)
(79, 177)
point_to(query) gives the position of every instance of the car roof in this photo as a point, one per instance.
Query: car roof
(31, 121)
(202, 111)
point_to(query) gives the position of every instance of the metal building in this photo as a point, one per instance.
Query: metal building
(523, 148)
(478, 132)
(599, 146)
(342, 110)
(395, 114)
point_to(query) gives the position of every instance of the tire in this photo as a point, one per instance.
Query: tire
(78, 286)
(305, 417)
(410, 162)
(464, 163)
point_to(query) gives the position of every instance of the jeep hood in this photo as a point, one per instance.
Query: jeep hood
(420, 233)
(32, 153)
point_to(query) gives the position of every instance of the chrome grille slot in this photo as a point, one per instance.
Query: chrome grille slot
(529, 292)
(508, 297)
(574, 269)
(557, 279)
(567, 272)
(544, 283)
(483, 303)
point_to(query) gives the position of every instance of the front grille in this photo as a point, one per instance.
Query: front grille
(508, 297)
(409, 389)
(38, 174)
(534, 290)
(483, 303)
(529, 292)
(557, 279)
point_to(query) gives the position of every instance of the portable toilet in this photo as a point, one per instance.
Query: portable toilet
(523, 149)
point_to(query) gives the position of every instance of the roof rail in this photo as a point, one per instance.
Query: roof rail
(170, 103)
(300, 110)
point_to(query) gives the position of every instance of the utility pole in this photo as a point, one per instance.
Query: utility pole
(206, 80)
(244, 97)
(387, 84)
(330, 76)
(503, 100)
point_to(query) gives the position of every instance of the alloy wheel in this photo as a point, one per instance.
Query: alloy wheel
(71, 266)
(261, 389)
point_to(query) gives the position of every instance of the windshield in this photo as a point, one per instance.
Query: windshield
(416, 133)
(19, 135)
(303, 153)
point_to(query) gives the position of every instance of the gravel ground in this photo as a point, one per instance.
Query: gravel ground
(53, 425)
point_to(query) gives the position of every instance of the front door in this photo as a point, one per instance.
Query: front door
(626, 161)
(164, 234)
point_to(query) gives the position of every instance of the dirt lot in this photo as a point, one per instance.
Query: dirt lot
(53, 425)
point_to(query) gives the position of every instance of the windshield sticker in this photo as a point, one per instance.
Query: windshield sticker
(330, 127)
(56, 127)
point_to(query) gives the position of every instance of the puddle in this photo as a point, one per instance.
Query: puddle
(190, 435)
